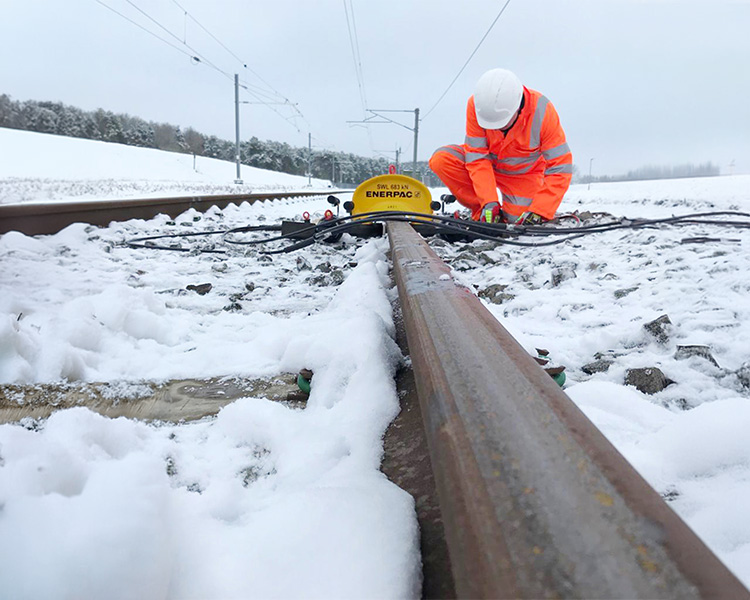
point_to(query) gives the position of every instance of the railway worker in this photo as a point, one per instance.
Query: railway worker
(514, 142)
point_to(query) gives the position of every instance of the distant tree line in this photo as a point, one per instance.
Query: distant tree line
(60, 119)
(707, 169)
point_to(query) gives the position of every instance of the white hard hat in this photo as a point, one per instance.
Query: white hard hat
(497, 97)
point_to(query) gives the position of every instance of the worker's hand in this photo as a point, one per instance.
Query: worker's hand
(491, 213)
(530, 218)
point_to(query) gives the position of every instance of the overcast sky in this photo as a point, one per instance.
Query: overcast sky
(635, 82)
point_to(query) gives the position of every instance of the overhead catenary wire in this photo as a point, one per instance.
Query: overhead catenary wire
(270, 96)
(217, 40)
(269, 102)
(468, 60)
(195, 56)
(267, 99)
(235, 56)
(161, 39)
(354, 44)
(262, 96)
(351, 25)
(200, 56)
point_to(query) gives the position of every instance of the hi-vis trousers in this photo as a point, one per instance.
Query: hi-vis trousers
(516, 191)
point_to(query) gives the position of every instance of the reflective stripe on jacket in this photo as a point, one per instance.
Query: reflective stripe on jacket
(533, 152)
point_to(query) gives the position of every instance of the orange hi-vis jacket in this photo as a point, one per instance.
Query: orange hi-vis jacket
(531, 163)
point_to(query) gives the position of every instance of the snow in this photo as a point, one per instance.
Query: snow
(84, 483)
(699, 458)
(94, 513)
(266, 500)
(43, 167)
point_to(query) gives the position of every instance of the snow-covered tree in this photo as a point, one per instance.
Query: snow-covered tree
(179, 139)
(38, 119)
(10, 113)
(194, 141)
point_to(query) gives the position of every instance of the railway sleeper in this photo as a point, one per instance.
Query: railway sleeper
(173, 401)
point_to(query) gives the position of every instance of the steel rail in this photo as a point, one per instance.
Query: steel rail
(536, 502)
(36, 218)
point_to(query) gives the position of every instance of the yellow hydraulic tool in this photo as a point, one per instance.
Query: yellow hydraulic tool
(390, 192)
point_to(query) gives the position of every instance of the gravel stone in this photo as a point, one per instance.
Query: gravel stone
(687, 351)
(303, 264)
(201, 289)
(598, 366)
(743, 375)
(624, 292)
(649, 380)
(561, 274)
(659, 329)
(495, 293)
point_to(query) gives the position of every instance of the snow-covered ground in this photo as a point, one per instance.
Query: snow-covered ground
(38, 167)
(262, 501)
(265, 500)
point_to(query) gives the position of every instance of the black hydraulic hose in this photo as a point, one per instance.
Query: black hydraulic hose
(251, 228)
(344, 224)
(501, 232)
(498, 232)
(333, 225)
(292, 247)
(638, 223)
(305, 230)
(141, 242)
(445, 229)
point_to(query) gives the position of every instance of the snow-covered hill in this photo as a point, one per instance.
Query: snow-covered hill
(42, 167)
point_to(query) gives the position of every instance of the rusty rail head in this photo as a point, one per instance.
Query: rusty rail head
(536, 502)
(44, 218)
